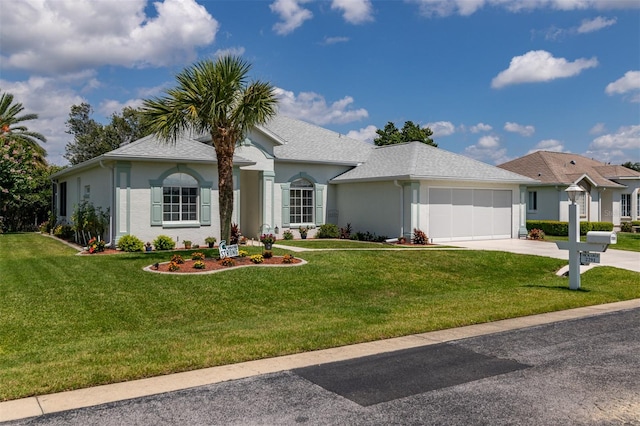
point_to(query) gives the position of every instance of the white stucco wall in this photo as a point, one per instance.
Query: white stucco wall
(98, 180)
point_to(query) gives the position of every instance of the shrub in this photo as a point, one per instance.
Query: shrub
(257, 258)
(287, 235)
(176, 258)
(368, 236)
(130, 243)
(345, 233)
(95, 245)
(63, 231)
(173, 266)
(199, 264)
(328, 230)
(419, 237)
(626, 227)
(536, 234)
(197, 255)
(164, 242)
(235, 234)
(287, 258)
(227, 261)
(267, 254)
(243, 253)
(555, 227)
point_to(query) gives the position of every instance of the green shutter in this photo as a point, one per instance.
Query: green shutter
(156, 206)
(205, 206)
(286, 216)
(319, 204)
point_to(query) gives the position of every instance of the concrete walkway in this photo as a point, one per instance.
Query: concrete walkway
(57, 402)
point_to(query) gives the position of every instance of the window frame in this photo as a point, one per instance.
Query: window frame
(305, 210)
(625, 205)
(188, 207)
(532, 207)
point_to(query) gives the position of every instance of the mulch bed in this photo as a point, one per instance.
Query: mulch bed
(216, 265)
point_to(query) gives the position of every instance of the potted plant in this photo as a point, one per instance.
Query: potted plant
(303, 232)
(148, 246)
(187, 244)
(268, 240)
(210, 241)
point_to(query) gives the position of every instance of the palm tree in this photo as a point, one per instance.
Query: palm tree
(214, 98)
(11, 127)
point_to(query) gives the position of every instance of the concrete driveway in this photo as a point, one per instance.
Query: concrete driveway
(617, 258)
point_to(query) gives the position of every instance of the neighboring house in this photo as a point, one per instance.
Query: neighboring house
(611, 193)
(289, 174)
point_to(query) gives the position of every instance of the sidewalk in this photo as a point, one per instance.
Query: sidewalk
(39, 405)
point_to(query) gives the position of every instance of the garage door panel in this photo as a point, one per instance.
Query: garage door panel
(462, 214)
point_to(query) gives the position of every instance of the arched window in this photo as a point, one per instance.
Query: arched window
(301, 202)
(179, 198)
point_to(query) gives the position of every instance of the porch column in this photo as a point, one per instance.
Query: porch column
(522, 225)
(267, 182)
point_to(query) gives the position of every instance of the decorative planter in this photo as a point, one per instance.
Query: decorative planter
(148, 248)
(268, 246)
(303, 236)
(211, 245)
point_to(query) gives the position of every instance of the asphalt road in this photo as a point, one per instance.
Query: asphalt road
(576, 372)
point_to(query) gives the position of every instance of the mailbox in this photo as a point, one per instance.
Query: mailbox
(602, 237)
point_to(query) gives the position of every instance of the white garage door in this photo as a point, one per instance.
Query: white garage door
(469, 214)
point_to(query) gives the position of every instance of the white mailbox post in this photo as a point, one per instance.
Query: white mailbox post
(597, 241)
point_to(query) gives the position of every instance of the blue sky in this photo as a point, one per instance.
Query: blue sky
(494, 79)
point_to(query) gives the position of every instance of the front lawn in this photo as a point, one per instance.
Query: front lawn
(71, 321)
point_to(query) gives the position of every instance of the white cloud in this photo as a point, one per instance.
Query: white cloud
(291, 13)
(312, 107)
(367, 134)
(232, 51)
(627, 137)
(597, 129)
(110, 106)
(548, 145)
(441, 128)
(538, 66)
(334, 40)
(480, 127)
(66, 36)
(51, 99)
(627, 83)
(488, 149)
(519, 128)
(595, 24)
(467, 7)
(354, 11)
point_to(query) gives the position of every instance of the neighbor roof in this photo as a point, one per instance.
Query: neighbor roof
(417, 160)
(566, 168)
(301, 141)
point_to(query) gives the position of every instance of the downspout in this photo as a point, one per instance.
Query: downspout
(111, 204)
(395, 182)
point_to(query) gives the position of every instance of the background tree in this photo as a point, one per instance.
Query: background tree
(214, 98)
(91, 139)
(410, 132)
(25, 190)
(632, 166)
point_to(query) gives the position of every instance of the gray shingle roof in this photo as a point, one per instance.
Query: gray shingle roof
(416, 160)
(301, 141)
(565, 168)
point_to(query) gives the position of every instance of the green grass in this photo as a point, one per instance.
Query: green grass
(625, 241)
(69, 322)
(321, 243)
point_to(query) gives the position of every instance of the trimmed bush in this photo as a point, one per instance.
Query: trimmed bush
(419, 237)
(555, 227)
(328, 230)
(164, 242)
(130, 243)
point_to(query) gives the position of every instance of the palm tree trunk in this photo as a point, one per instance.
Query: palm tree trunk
(224, 153)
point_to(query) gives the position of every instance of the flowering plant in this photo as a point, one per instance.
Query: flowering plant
(267, 238)
(173, 266)
(197, 255)
(257, 258)
(199, 264)
(95, 245)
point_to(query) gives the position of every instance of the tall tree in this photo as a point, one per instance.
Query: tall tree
(23, 168)
(12, 127)
(632, 166)
(410, 132)
(214, 98)
(91, 139)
